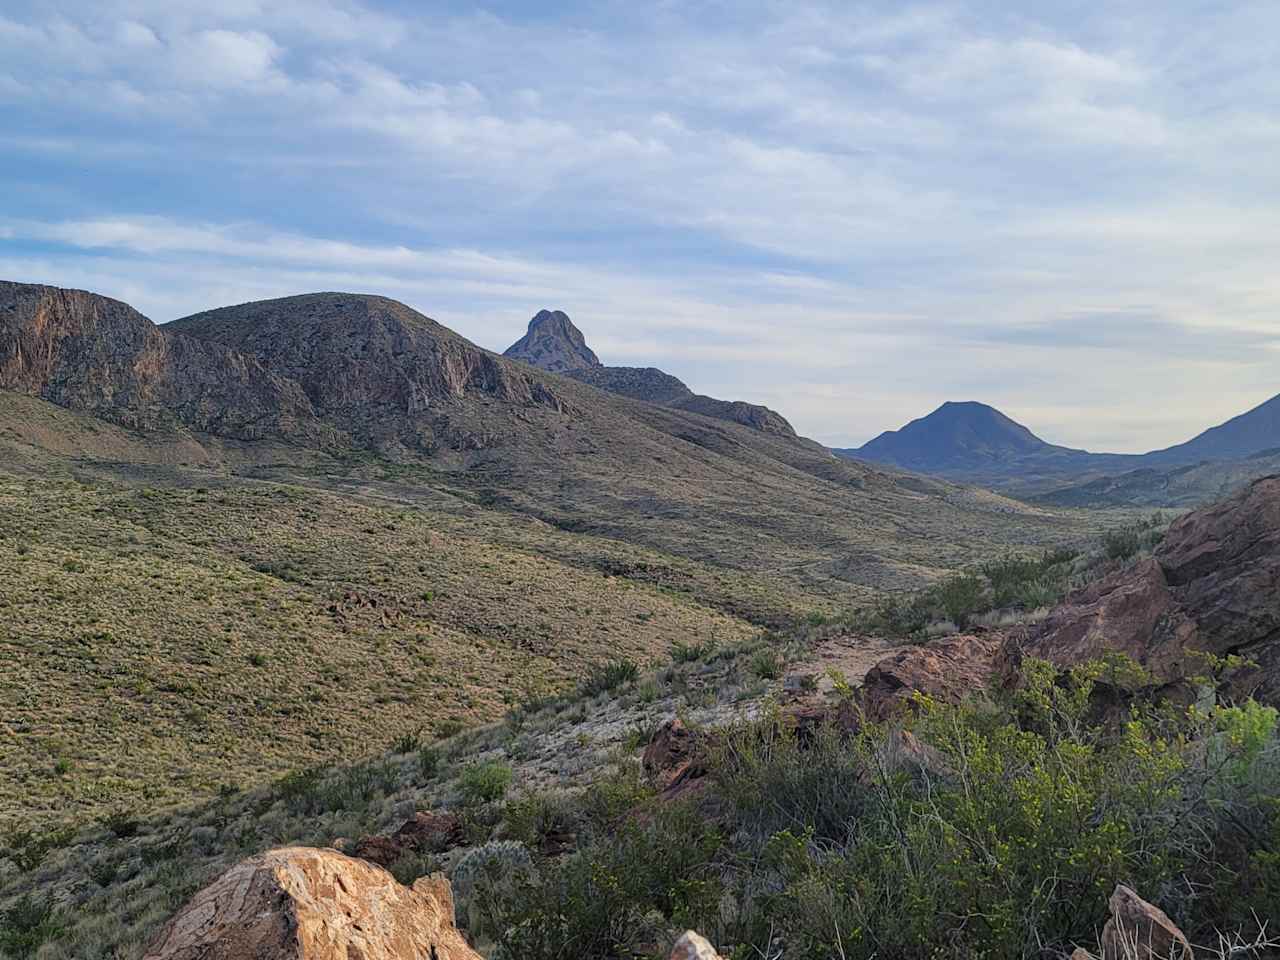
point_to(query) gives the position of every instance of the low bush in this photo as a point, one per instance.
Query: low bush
(997, 829)
(484, 782)
(26, 926)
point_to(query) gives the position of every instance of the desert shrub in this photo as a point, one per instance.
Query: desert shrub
(611, 901)
(407, 742)
(604, 677)
(533, 817)
(961, 596)
(996, 829)
(428, 762)
(27, 925)
(486, 878)
(28, 848)
(766, 664)
(484, 782)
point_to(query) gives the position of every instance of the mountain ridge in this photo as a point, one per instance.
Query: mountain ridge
(553, 343)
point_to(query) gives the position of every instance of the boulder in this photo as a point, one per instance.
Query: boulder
(1138, 930)
(671, 761)
(947, 670)
(299, 903)
(1212, 586)
(692, 946)
(421, 833)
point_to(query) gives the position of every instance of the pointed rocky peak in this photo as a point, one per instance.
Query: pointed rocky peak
(553, 343)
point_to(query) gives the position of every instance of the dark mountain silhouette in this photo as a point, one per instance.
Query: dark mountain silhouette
(554, 344)
(976, 443)
(1242, 436)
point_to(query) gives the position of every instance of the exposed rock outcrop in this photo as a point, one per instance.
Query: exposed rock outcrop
(300, 903)
(946, 670)
(423, 833)
(1138, 930)
(1212, 586)
(553, 343)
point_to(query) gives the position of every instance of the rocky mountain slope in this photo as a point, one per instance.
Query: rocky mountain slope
(369, 384)
(553, 343)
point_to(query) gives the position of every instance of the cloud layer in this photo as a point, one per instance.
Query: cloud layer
(849, 212)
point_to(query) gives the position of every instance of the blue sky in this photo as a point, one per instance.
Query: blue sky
(850, 212)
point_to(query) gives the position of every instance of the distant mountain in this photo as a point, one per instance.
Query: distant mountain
(1249, 433)
(975, 443)
(978, 444)
(554, 344)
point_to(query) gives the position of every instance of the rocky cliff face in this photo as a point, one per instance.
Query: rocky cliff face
(380, 370)
(1212, 587)
(553, 343)
(91, 353)
(330, 370)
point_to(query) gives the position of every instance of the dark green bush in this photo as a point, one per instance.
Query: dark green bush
(484, 782)
(27, 925)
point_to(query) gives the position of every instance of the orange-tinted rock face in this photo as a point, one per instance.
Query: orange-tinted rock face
(300, 903)
(948, 670)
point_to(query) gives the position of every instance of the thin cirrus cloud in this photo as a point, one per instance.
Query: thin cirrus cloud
(851, 214)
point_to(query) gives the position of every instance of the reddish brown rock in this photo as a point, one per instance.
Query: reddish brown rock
(423, 833)
(948, 670)
(672, 762)
(1213, 586)
(300, 903)
(1131, 612)
(1138, 930)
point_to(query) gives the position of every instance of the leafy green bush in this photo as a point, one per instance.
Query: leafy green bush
(484, 782)
(961, 597)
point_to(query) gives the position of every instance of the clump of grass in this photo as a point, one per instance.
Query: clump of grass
(766, 664)
(608, 676)
(692, 652)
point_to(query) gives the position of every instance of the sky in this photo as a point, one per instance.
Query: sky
(851, 212)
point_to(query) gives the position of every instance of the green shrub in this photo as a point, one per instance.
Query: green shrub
(1018, 816)
(484, 782)
(962, 596)
(27, 925)
(604, 677)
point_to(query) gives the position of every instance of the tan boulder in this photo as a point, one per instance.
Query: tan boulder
(1138, 930)
(692, 946)
(299, 903)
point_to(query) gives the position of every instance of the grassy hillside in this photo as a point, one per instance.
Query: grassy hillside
(181, 614)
